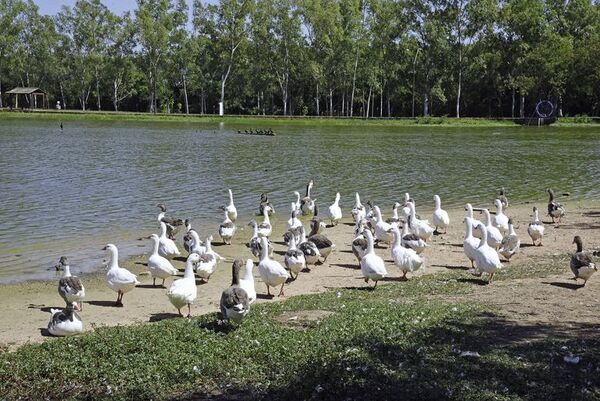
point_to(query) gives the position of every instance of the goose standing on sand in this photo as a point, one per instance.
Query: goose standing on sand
(118, 279)
(486, 257)
(503, 198)
(255, 243)
(322, 226)
(382, 229)
(419, 227)
(535, 229)
(247, 282)
(405, 258)
(405, 208)
(265, 204)
(271, 272)
(292, 227)
(166, 245)
(394, 219)
(500, 219)
(372, 265)
(470, 243)
(70, 288)
(226, 228)
(324, 244)
(412, 241)
(510, 243)
(474, 221)
(359, 245)
(230, 208)
(235, 303)
(265, 228)
(297, 205)
(188, 241)
(555, 209)
(335, 212)
(358, 210)
(172, 223)
(183, 291)
(494, 236)
(307, 204)
(440, 217)
(197, 246)
(308, 248)
(65, 322)
(158, 266)
(208, 261)
(582, 263)
(294, 259)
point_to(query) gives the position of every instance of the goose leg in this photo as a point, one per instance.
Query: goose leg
(375, 286)
(153, 281)
(404, 276)
(163, 283)
(281, 291)
(491, 276)
(118, 302)
(189, 310)
(268, 290)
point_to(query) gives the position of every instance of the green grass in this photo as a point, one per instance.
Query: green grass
(400, 341)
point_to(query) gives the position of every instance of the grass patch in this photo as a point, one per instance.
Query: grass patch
(400, 341)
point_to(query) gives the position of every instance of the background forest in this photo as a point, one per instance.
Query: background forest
(379, 58)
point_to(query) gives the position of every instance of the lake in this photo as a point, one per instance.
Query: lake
(70, 192)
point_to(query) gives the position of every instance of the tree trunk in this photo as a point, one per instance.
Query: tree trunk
(185, 94)
(389, 106)
(97, 89)
(62, 96)
(560, 109)
(512, 106)
(414, 81)
(522, 106)
(458, 28)
(426, 105)
(116, 94)
(343, 104)
(381, 101)
(1, 92)
(330, 102)
(317, 100)
(353, 84)
(368, 103)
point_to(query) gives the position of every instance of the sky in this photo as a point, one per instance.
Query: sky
(51, 7)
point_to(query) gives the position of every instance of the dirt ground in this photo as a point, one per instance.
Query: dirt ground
(554, 302)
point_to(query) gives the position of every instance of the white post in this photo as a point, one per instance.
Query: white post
(221, 108)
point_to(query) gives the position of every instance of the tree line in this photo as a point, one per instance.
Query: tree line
(360, 58)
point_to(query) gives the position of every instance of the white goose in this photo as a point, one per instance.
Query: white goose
(307, 204)
(494, 237)
(510, 243)
(294, 259)
(235, 303)
(183, 291)
(536, 228)
(382, 229)
(118, 279)
(372, 265)
(394, 219)
(65, 322)
(440, 217)
(297, 205)
(500, 219)
(359, 245)
(470, 243)
(405, 258)
(419, 227)
(308, 248)
(412, 241)
(70, 288)
(358, 210)
(208, 261)
(158, 266)
(254, 243)
(335, 212)
(474, 221)
(166, 245)
(226, 228)
(271, 272)
(197, 246)
(247, 282)
(405, 208)
(230, 208)
(486, 257)
(293, 224)
(265, 229)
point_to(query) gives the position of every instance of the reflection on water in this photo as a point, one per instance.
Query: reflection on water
(73, 191)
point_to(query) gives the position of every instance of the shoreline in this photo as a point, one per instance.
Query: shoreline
(30, 301)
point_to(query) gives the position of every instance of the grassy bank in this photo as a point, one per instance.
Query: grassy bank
(401, 341)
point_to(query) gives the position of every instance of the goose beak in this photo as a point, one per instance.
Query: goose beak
(105, 248)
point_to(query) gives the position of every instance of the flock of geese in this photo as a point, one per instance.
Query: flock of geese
(405, 233)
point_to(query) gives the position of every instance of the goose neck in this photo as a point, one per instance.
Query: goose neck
(468, 228)
(155, 243)
(163, 230)
(235, 274)
(249, 267)
(370, 247)
(397, 237)
(438, 203)
(230, 198)
(484, 236)
(67, 272)
(264, 252)
(114, 258)
(189, 268)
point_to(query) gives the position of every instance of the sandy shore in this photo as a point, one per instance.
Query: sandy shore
(26, 305)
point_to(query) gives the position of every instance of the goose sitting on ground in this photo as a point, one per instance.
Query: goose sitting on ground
(470, 243)
(166, 246)
(230, 208)
(294, 259)
(118, 279)
(265, 204)
(254, 243)
(486, 257)
(265, 229)
(172, 223)
(510, 243)
(226, 228)
(382, 229)
(183, 291)
(158, 266)
(494, 237)
(440, 217)
(536, 228)
(65, 322)
(405, 258)
(419, 227)
(474, 221)
(297, 205)
(235, 303)
(412, 241)
(308, 248)
(208, 262)
(555, 209)
(503, 198)
(372, 265)
(197, 246)
(582, 263)
(247, 282)
(335, 212)
(307, 204)
(271, 272)
(358, 210)
(324, 244)
(70, 288)
(500, 219)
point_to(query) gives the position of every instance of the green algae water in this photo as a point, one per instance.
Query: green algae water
(71, 191)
